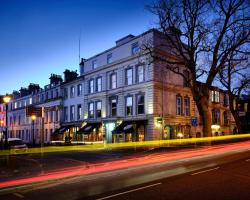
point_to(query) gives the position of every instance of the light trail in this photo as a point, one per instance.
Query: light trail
(127, 145)
(130, 162)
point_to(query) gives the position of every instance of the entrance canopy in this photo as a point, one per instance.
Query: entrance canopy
(62, 129)
(88, 128)
(125, 127)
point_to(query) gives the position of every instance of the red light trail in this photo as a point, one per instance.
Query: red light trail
(132, 161)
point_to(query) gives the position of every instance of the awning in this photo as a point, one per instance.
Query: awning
(62, 129)
(124, 127)
(88, 128)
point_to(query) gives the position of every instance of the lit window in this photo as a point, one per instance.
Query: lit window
(113, 81)
(140, 73)
(79, 112)
(91, 86)
(94, 64)
(129, 76)
(135, 48)
(99, 84)
(91, 110)
(79, 90)
(109, 58)
(215, 96)
(129, 106)
(113, 107)
(178, 105)
(98, 109)
(72, 91)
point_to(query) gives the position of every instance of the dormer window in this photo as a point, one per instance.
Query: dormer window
(135, 48)
(94, 64)
(109, 58)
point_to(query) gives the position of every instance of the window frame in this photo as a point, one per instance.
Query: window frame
(91, 116)
(91, 91)
(111, 81)
(178, 107)
(127, 77)
(98, 111)
(97, 84)
(131, 106)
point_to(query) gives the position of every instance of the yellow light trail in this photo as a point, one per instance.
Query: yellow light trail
(127, 145)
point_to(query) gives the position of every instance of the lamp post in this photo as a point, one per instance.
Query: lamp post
(33, 118)
(6, 100)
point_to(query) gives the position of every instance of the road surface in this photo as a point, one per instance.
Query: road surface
(215, 173)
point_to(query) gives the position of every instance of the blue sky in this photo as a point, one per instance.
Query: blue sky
(40, 37)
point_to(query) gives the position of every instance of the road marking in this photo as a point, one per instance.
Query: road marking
(19, 195)
(129, 191)
(248, 160)
(204, 171)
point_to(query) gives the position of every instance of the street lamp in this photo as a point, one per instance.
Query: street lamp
(6, 100)
(33, 118)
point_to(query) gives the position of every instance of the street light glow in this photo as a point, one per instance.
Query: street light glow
(33, 117)
(6, 99)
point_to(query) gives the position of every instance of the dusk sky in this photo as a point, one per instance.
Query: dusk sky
(40, 37)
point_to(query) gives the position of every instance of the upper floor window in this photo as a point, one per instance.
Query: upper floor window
(113, 107)
(216, 116)
(140, 75)
(99, 84)
(186, 106)
(215, 96)
(129, 76)
(140, 104)
(129, 105)
(72, 91)
(30, 101)
(72, 113)
(109, 58)
(94, 64)
(91, 86)
(65, 113)
(79, 111)
(47, 95)
(91, 110)
(65, 93)
(135, 48)
(113, 81)
(98, 109)
(79, 89)
(178, 105)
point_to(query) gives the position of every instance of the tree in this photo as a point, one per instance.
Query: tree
(235, 77)
(200, 35)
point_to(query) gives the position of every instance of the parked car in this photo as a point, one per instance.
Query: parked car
(16, 145)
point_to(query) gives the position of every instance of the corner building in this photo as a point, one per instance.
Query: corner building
(130, 98)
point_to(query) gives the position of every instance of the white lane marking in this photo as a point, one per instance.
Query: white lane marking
(129, 191)
(204, 171)
(248, 160)
(19, 195)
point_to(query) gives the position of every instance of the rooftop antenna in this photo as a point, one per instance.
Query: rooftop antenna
(80, 46)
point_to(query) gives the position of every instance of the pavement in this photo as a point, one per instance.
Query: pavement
(220, 172)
